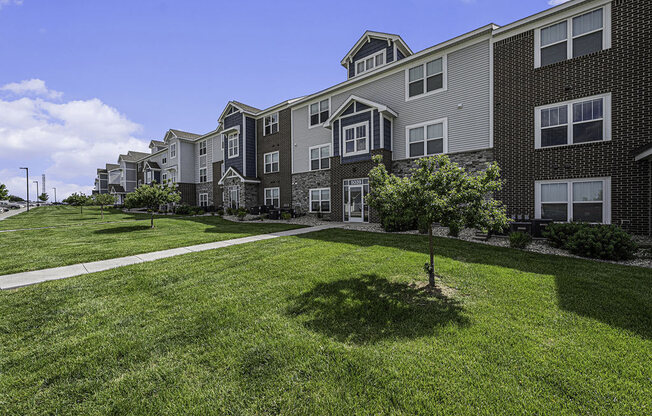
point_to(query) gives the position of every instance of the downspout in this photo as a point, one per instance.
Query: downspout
(649, 202)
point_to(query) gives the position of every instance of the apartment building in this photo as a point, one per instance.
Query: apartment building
(559, 99)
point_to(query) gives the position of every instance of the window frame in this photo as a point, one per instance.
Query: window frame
(606, 33)
(236, 153)
(606, 120)
(173, 151)
(423, 63)
(367, 124)
(278, 162)
(606, 196)
(265, 199)
(271, 124)
(318, 102)
(205, 177)
(204, 148)
(200, 199)
(443, 121)
(236, 189)
(373, 56)
(330, 199)
(328, 159)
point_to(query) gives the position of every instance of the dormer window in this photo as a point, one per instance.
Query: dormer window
(370, 62)
(319, 112)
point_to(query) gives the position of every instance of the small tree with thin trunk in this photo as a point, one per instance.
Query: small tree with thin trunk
(4, 193)
(440, 191)
(152, 197)
(78, 200)
(102, 200)
(43, 197)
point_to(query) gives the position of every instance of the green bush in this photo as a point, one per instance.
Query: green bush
(454, 229)
(182, 210)
(220, 212)
(558, 234)
(230, 211)
(519, 239)
(241, 214)
(393, 222)
(286, 216)
(606, 242)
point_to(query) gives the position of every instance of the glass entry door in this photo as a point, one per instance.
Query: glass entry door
(355, 191)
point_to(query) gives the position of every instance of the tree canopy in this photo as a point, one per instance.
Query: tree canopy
(4, 192)
(102, 200)
(152, 197)
(78, 200)
(440, 191)
(43, 197)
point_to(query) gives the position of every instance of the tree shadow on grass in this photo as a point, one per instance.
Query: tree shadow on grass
(619, 296)
(369, 308)
(120, 230)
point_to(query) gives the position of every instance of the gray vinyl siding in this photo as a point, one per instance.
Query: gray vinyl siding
(187, 163)
(114, 177)
(468, 84)
(209, 159)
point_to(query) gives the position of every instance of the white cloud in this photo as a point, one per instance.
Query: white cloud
(31, 87)
(67, 141)
(9, 2)
(556, 2)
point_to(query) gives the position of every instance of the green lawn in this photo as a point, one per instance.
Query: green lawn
(45, 248)
(328, 323)
(53, 215)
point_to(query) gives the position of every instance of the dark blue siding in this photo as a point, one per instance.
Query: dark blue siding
(356, 158)
(236, 162)
(351, 70)
(355, 119)
(387, 126)
(251, 147)
(336, 138)
(361, 107)
(350, 109)
(399, 55)
(369, 48)
(376, 131)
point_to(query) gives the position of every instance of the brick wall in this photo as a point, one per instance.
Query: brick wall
(217, 189)
(188, 194)
(280, 141)
(624, 70)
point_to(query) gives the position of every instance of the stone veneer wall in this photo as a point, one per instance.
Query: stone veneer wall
(472, 161)
(301, 185)
(248, 193)
(205, 188)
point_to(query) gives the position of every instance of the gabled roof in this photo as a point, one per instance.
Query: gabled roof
(101, 170)
(382, 109)
(233, 172)
(152, 165)
(111, 166)
(240, 106)
(368, 35)
(116, 189)
(157, 143)
(132, 156)
(184, 134)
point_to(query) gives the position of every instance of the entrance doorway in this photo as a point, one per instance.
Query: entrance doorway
(355, 207)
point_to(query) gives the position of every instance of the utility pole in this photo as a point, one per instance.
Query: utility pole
(37, 194)
(55, 195)
(27, 174)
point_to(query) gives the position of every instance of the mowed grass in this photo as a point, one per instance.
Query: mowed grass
(329, 323)
(45, 248)
(54, 215)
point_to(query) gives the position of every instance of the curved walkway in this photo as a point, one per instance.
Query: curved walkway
(16, 280)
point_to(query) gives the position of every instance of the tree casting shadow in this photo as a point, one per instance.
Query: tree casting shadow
(119, 230)
(369, 309)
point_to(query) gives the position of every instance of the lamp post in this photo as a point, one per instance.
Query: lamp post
(37, 194)
(27, 175)
(55, 195)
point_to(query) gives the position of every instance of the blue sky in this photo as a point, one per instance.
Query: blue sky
(82, 80)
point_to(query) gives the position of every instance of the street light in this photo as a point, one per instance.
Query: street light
(37, 194)
(27, 174)
(55, 195)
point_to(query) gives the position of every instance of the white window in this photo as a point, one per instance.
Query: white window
(572, 122)
(202, 148)
(356, 139)
(270, 124)
(148, 176)
(319, 112)
(320, 200)
(320, 157)
(203, 200)
(234, 197)
(173, 150)
(573, 37)
(233, 145)
(426, 139)
(173, 177)
(272, 197)
(586, 200)
(164, 160)
(164, 177)
(370, 62)
(202, 175)
(271, 162)
(427, 78)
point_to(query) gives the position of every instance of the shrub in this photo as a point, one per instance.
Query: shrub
(454, 229)
(286, 216)
(220, 212)
(558, 234)
(230, 211)
(398, 221)
(241, 214)
(182, 209)
(606, 242)
(519, 239)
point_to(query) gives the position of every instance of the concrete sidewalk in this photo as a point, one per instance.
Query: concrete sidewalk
(11, 213)
(12, 281)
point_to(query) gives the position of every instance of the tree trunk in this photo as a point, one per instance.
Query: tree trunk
(431, 269)
(81, 210)
(152, 220)
(102, 211)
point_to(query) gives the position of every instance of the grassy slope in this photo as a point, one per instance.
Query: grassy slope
(41, 249)
(326, 324)
(47, 216)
